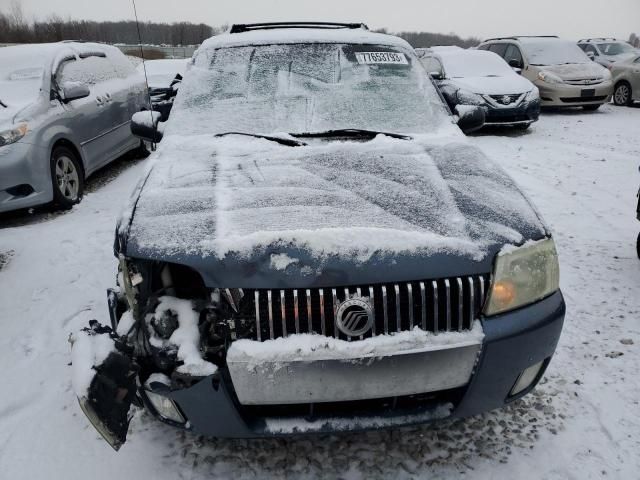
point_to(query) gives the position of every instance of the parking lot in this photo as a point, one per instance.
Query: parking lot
(581, 171)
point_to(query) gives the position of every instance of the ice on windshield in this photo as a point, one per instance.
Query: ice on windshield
(307, 88)
(474, 63)
(552, 51)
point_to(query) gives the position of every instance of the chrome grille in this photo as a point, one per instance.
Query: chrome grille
(450, 304)
(585, 81)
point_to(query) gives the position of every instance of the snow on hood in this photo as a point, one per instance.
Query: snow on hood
(236, 196)
(503, 85)
(577, 71)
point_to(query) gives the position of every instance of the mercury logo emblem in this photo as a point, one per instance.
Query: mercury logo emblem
(354, 316)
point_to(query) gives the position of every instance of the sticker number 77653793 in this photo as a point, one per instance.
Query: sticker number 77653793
(381, 58)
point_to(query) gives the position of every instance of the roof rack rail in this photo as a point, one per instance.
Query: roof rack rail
(515, 37)
(247, 27)
(597, 39)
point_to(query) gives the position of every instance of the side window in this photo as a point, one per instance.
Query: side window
(483, 47)
(90, 70)
(514, 57)
(432, 64)
(637, 60)
(499, 48)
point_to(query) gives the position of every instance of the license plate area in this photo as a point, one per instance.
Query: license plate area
(588, 92)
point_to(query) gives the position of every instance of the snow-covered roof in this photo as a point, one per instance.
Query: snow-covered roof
(304, 35)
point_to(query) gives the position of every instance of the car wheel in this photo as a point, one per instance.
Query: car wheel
(67, 178)
(591, 108)
(622, 94)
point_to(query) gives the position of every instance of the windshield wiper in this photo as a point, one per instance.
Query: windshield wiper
(282, 141)
(350, 132)
(3, 104)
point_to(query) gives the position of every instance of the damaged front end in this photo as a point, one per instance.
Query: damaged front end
(167, 333)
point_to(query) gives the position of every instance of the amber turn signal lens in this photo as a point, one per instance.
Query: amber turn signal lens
(504, 293)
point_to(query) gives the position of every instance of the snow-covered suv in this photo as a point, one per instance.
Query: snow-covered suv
(316, 247)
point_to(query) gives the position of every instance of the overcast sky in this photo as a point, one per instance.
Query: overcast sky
(482, 18)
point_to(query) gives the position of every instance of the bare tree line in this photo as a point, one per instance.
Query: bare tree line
(16, 28)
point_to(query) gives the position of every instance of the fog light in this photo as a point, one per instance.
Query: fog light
(165, 407)
(526, 378)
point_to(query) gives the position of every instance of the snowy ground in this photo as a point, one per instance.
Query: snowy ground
(583, 422)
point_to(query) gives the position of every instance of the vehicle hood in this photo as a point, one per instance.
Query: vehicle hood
(503, 85)
(621, 57)
(575, 71)
(8, 114)
(250, 213)
(17, 96)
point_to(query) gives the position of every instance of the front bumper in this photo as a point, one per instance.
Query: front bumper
(25, 176)
(513, 342)
(564, 95)
(524, 114)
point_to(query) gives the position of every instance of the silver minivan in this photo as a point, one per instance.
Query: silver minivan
(65, 110)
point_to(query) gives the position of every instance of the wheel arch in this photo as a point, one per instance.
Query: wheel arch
(64, 142)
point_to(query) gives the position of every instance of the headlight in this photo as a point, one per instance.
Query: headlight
(468, 98)
(549, 77)
(12, 136)
(533, 95)
(523, 275)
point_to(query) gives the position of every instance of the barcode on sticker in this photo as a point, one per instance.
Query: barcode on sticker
(381, 58)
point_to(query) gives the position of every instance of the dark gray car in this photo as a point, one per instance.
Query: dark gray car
(65, 112)
(317, 247)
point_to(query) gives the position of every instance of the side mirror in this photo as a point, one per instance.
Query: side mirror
(515, 63)
(73, 91)
(470, 117)
(591, 55)
(436, 75)
(144, 125)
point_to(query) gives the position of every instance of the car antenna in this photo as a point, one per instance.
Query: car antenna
(144, 65)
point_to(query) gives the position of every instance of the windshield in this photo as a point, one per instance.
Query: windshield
(20, 77)
(303, 88)
(475, 63)
(553, 52)
(616, 48)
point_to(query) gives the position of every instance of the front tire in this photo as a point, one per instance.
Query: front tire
(591, 108)
(67, 178)
(622, 94)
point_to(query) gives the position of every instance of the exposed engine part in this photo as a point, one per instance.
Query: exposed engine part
(128, 277)
(165, 324)
(233, 296)
(167, 280)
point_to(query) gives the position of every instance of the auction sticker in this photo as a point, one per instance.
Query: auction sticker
(382, 58)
